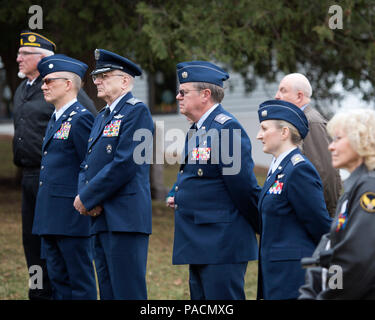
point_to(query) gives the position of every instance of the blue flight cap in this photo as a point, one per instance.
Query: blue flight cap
(283, 110)
(108, 61)
(36, 40)
(61, 62)
(201, 71)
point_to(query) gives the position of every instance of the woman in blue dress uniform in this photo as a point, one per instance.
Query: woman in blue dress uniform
(291, 204)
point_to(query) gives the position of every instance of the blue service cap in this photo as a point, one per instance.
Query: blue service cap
(283, 110)
(108, 61)
(61, 62)
(36, 40)
(201, 71)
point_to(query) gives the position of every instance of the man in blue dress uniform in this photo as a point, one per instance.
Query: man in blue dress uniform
(216, 191)
(66, 243)
(114, 179)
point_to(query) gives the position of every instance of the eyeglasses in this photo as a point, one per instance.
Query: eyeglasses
(26, 53)
(47, 81)
(103, 76)
(182, 93)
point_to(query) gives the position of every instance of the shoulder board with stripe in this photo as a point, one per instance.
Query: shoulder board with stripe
(81, 109)
(222, 118)
(297, 158)
(133, 101)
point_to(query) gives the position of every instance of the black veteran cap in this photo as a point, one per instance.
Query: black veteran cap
(61, 62)
(108, 61)
(201, 71)
(36, 40)
(283, 110)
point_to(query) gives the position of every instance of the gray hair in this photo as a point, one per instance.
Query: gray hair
(75, 78)
(217, 93)
(45, 52)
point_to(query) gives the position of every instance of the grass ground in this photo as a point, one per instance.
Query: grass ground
(164, 280)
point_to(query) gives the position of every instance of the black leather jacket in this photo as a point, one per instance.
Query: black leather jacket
(352, 239)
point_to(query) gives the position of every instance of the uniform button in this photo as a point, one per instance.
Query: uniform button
(45, 152)
(176, 189)
(175, 206)
(89, 151)
(86, 166)
(182, 171)
(87, 181)
(90, 139)
(42, 167)
(19, 139)
(200, 172)
(40, 183)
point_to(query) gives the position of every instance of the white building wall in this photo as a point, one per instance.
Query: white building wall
(242, 105)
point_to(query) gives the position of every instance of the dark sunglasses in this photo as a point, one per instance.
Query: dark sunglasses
(183, 92)
(47, 81)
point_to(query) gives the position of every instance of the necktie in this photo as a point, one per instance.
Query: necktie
(28, 86)
(270, 169)
(51, 123)
(107, 111)
(105, 115)
(192, 130)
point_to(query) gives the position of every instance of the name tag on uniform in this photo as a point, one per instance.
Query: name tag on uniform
(63, 132)
(201, 154)
(112, 129)
(276, 188)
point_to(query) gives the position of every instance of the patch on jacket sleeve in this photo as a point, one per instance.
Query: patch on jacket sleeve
(222, 118)
(297, 158)
(367, 202)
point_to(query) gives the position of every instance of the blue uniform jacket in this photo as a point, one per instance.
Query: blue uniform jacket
(109, 174)
(214, 212)
(64, 148)
(293, 219)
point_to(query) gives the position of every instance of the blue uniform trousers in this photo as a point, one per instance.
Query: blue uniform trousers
(70, 267)
(217, 281)
(31, 242)
(120, 261)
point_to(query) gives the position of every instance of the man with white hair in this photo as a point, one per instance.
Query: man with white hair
(114, 179)
(31, 114)
(296, 88)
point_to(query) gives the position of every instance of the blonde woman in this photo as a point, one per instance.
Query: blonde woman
(351, 239)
